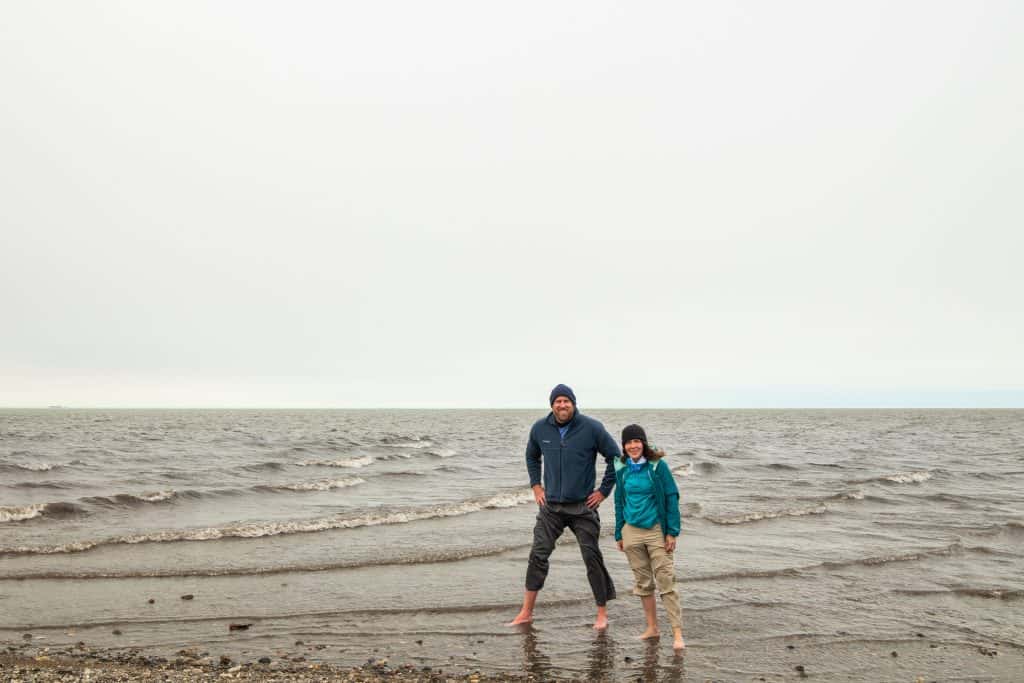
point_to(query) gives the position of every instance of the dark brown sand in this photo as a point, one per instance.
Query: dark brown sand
(25, 663)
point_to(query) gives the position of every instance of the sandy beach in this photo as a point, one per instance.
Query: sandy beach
(915, 659)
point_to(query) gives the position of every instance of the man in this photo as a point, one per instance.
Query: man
(568, 443)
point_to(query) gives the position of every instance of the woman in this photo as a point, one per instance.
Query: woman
(646, 527)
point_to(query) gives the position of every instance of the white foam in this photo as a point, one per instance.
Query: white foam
(445, 452)
(259, 530)
(352, 462)
(325, 485)
(20, 514)
(769, 514)
(684, 470)
(507, 500)
(37, 466)
(908, 477)
(156, 496)
(425, 443)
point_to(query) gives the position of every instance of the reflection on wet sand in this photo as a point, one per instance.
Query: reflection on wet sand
(601, 658)
(535, 662)
(672, 671)
(604, 662)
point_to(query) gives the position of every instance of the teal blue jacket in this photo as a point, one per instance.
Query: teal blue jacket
(666, 497)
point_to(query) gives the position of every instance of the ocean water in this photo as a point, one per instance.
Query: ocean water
(822, 539)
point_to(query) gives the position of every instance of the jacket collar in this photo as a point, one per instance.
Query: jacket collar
(554, 423)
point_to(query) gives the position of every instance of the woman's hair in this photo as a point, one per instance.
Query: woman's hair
(650, 454)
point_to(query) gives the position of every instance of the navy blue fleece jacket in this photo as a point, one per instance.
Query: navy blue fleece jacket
(569, 463)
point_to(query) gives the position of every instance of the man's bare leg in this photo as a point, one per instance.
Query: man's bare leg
(601, 622)
(525, 615)
(651, 614)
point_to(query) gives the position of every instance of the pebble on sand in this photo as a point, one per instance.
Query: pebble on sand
(187, 596)
(239, 627)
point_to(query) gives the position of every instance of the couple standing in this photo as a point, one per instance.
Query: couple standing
(566, 443)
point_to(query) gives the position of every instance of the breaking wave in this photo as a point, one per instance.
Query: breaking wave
(29, 467)
(406, 442)
(259, 530)
(325, 485)
(41, 485)
(908, 477)
(32, 511)
(811, 506)
(352, 462)
(257, 467)
(132, 500)
(685, 470)
(874, 561)
(767, 514)
(707, 467)
(990, 593)
(915, 477)
(441, 556)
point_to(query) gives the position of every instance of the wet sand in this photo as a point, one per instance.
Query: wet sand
(611, 657)
(27, 663)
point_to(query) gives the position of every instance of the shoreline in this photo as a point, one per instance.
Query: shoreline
(27, 662)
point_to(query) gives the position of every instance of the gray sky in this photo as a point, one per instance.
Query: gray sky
(404, 204)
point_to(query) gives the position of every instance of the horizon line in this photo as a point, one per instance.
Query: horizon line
(587, 408)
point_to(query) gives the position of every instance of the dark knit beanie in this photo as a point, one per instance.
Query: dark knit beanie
(633, 432)
(562, 390)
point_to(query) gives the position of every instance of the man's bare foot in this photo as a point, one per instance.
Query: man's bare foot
(525, 615)
(649, 633)
(678, 643)
(601, 623)
(521, 618)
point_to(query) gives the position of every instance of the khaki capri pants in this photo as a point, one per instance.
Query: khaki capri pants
(652, 568)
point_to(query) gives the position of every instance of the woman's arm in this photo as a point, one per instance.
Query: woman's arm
(668, 484)
(620, 505)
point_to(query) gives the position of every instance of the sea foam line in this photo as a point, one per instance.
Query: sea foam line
(907, 477)
(325, 485)
(351, 462)
(20, 514)
(260, 530)
(767, 514)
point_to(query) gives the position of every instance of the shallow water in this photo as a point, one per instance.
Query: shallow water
(843, 534)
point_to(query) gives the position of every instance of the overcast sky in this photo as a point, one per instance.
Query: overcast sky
(460, 204)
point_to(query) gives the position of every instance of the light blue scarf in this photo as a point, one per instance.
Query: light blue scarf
(635, 466)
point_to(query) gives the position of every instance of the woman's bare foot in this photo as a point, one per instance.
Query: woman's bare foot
(649, 633)
(677, 642)
(601, 623)
(523, 617)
